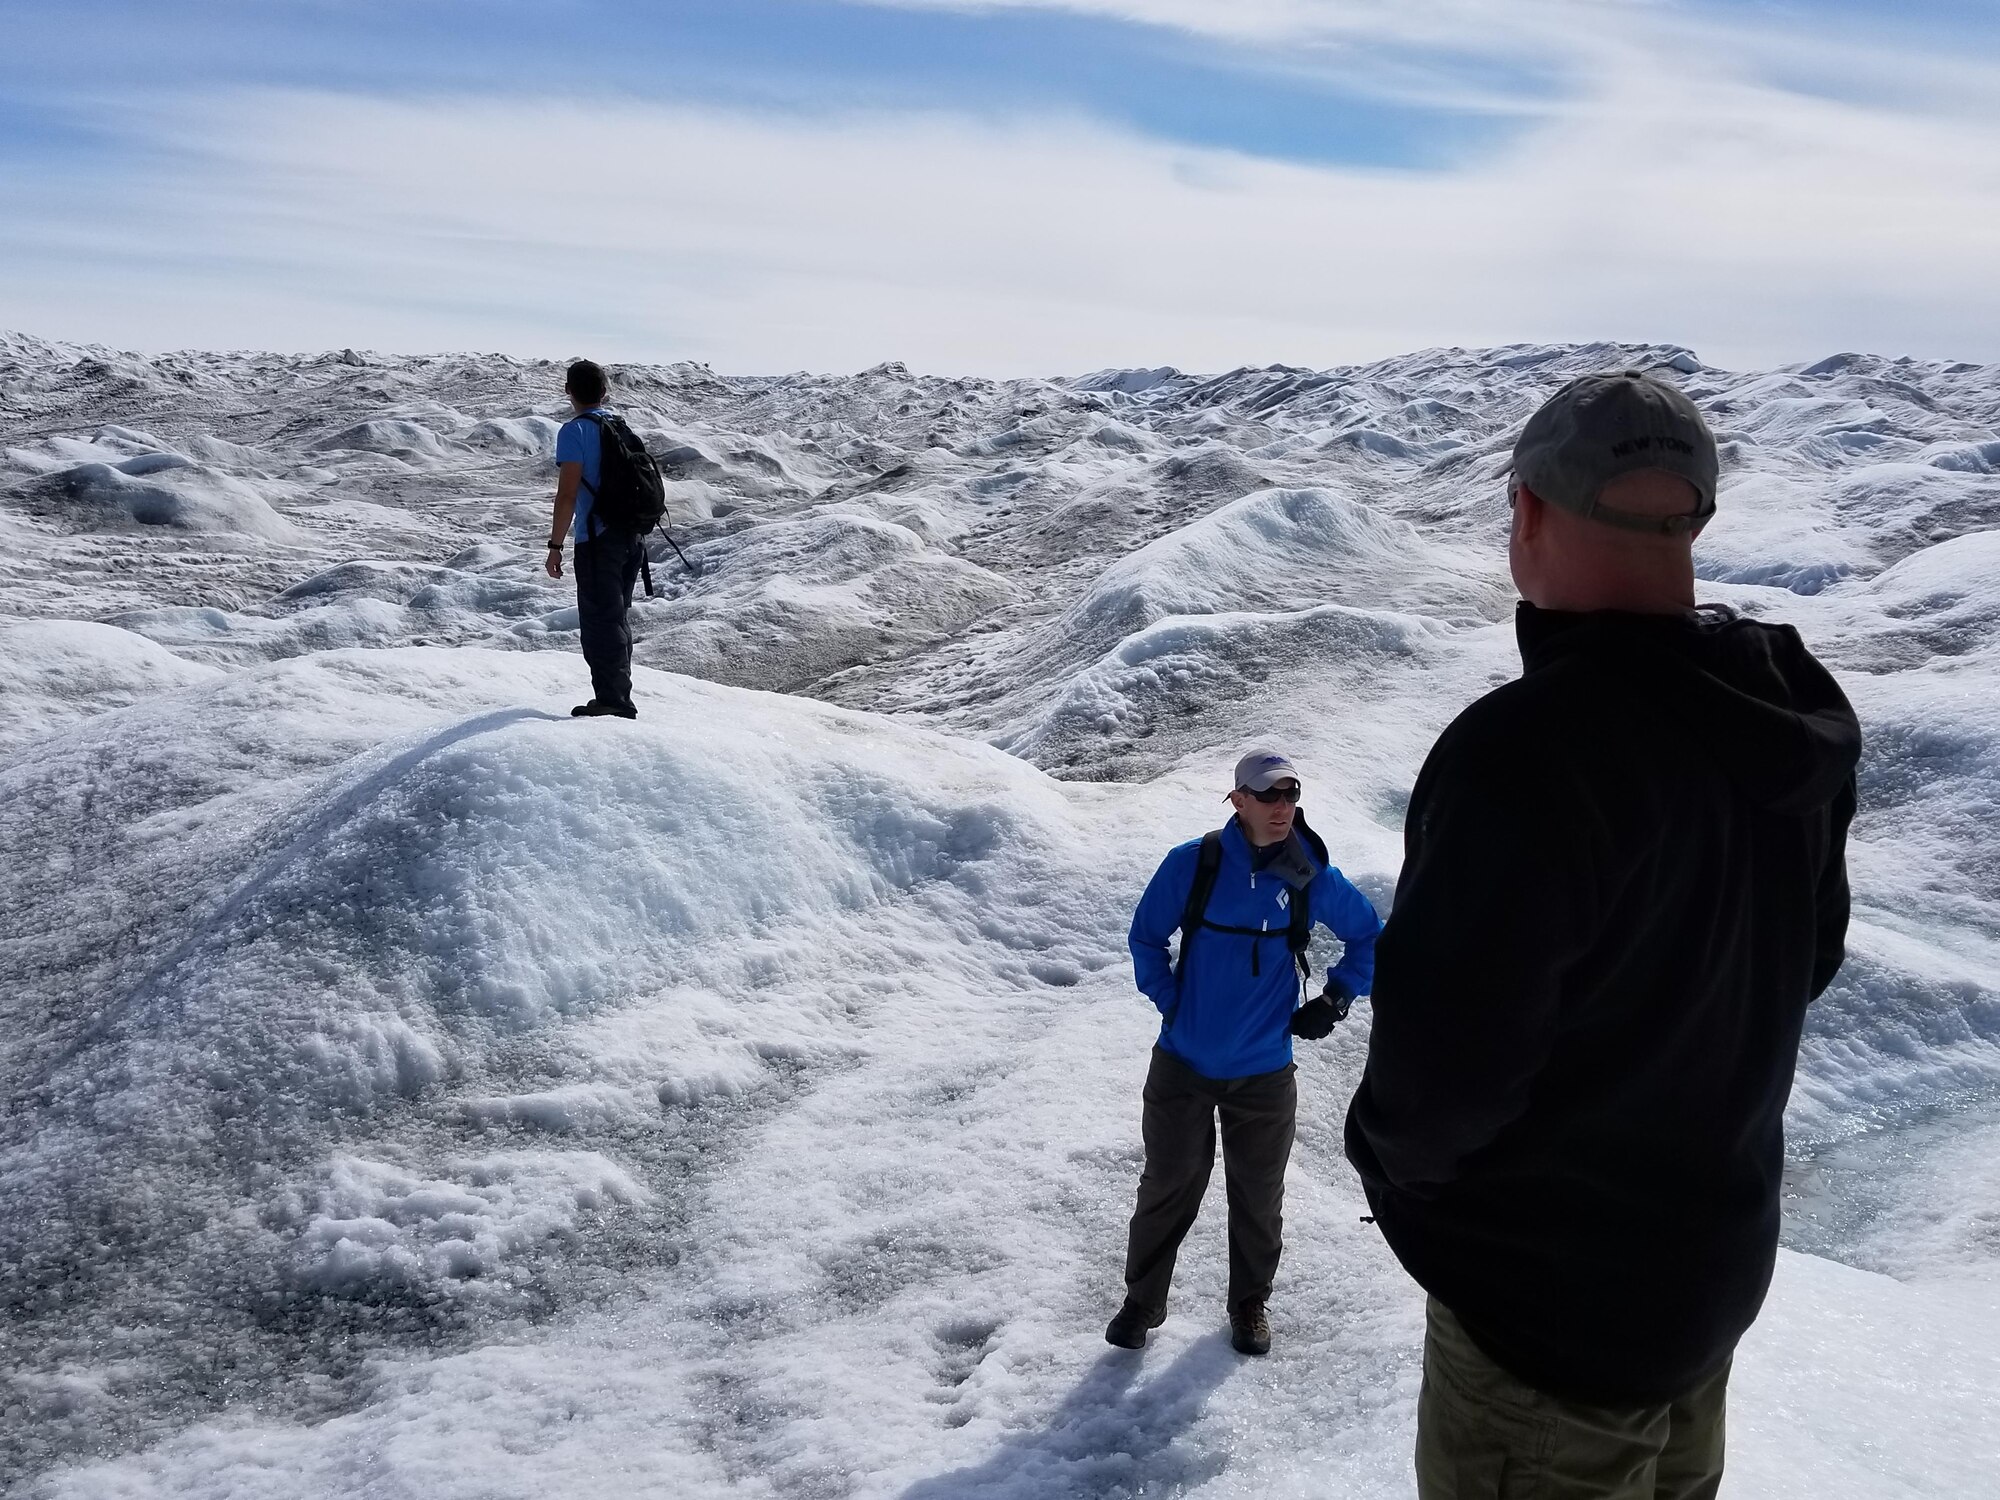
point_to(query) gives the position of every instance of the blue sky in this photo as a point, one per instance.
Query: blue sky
(155, 158)
(1350, 104)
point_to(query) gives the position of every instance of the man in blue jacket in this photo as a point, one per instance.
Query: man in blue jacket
(1228, 1017)
(607, 560)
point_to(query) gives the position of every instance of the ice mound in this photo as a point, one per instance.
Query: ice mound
(532, 436)
(739, 463)
(1211, 474)
(161, 489)
(476, 589)
(1127, 382)
(1779, 532)
(1187, 680)
(54, 672)
(1969, 458)
(791, 601)
(110, 444)
(1906, 507)
(429, 865)
(1117, 435)
(1953, 587)
(239, 458)
(223, 637)
(361, 603)
(366, 894)
(1287, 549)
(123, 377)
(401, 438)
(397, 582)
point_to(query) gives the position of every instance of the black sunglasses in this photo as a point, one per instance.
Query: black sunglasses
(1276, 794)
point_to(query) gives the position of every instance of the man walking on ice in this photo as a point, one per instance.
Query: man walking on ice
(1623, 882)
(1245, 900)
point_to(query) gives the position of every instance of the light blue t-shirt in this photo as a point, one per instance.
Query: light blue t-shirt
(578, 442)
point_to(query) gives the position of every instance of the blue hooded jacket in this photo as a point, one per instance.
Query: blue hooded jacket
(1232, 1022)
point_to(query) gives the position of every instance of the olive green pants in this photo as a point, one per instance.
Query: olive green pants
(1484, 1435)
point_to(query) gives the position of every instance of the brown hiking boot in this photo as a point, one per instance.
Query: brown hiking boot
(1249, 1329)
(1128, 1329)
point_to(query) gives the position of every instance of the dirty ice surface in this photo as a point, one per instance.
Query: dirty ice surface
(410, 1090)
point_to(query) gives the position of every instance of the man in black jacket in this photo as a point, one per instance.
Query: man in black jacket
(1624, 881)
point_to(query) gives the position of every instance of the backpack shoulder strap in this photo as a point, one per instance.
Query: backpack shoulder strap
(1205, 866)
(1299, 936)
(612, 431)
(596, 420)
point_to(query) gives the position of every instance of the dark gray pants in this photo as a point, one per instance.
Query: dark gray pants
(1483, 1434)
(607, 567)
(1258, 1116)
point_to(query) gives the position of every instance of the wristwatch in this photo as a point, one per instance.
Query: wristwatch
(555, 546)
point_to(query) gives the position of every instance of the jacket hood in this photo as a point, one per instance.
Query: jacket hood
(1768, 714)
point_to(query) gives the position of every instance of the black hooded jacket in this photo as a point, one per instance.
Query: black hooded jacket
(1624, 881)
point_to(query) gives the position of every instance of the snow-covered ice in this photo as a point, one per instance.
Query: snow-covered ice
(411, 1089)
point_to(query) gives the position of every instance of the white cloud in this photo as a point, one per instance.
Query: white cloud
(1431, 22)
(1676, 198)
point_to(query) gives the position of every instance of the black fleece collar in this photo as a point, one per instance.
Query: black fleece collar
(1546, 636)
(1291, 861)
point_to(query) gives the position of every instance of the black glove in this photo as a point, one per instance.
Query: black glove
(1316, 1018)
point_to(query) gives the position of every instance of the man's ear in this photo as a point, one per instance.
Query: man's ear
(1528, 513)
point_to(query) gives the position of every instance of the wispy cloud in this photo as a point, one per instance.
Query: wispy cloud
(808, 56)
(1672, 189)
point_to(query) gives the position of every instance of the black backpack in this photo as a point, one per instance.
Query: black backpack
(629, 495)
(1194, 916)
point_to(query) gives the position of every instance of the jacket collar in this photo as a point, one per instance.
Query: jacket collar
(1545, 636)
(1294, 863)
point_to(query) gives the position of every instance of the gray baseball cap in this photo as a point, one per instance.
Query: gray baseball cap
(1600, 426)
(1261, 770)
